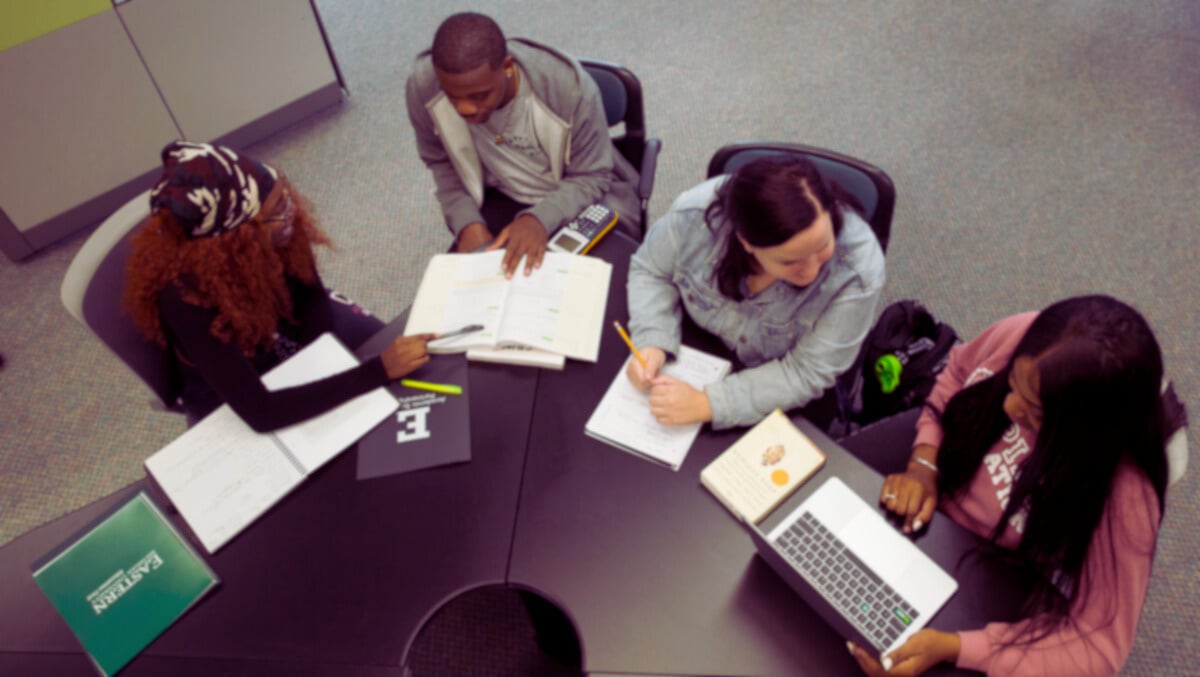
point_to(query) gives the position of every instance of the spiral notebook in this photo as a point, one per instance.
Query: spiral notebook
(623, 417)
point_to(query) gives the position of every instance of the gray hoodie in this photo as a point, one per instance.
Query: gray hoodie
(570, 127)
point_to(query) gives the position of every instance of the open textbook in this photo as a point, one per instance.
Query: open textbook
(762, 468)
(221, 475)
(558, 308)
(515, 354)
(623, 417)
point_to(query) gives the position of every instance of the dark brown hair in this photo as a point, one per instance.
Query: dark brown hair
(766, 202)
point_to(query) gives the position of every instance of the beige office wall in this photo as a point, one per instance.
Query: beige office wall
(223, 63)
(88, 107)
(80, 116)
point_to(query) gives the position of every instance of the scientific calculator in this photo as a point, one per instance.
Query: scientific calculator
(581, 233)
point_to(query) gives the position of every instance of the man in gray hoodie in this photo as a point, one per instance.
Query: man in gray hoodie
(515, 135)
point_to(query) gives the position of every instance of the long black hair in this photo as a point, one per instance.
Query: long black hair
(766, 202)
(1100, 372)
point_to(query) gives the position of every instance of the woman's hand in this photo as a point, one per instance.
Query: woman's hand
(674, 402)
(405, 355)
(911, 494)
(922, 651)
(642, 376)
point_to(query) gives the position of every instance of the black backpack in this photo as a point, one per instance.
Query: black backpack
(899, 362)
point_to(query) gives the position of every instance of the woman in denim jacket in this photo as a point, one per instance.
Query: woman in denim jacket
(774, 261)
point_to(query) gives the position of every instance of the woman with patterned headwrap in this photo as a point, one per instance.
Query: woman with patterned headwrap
(223, 274)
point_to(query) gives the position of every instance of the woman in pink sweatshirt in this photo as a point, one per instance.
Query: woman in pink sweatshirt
(1045, 434)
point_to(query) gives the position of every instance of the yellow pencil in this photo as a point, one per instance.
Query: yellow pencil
(629, 342)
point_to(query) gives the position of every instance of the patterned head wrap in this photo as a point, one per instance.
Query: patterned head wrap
(211, 189)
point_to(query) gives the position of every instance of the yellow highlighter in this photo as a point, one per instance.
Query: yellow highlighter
(443, 388)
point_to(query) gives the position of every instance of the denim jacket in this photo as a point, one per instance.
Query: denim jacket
(794, 341)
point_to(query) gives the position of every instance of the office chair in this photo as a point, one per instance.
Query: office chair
(1177, 456)
(92, 290)
(1177, 444)
(868, 183)
(621, 92)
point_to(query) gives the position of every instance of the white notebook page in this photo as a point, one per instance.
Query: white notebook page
(221, 475)
(623, 416)
(313, 442)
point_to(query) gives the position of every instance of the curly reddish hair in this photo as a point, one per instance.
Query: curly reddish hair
(241, 273)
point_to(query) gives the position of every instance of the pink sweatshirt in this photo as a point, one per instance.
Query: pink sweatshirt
(1099, 634)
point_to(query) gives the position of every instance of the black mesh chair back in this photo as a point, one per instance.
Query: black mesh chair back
(868, 183)
(621, 92)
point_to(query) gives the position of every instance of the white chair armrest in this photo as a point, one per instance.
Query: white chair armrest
(83, 266)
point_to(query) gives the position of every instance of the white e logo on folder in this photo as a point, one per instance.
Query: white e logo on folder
(412, 425)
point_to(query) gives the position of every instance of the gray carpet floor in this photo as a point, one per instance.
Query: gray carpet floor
(1039, 149)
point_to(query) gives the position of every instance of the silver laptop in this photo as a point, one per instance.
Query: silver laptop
(864, 577)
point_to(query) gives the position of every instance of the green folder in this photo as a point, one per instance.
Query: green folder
(122, 581)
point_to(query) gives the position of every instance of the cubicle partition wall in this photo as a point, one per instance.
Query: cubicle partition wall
(91, 99)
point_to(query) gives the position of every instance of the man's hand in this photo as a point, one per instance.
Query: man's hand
(473, 237)
(922, 651)
(674, 402)
(524, 237)
(640, 376)
(405, 355)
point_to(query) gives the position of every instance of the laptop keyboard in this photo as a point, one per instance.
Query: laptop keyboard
(864, 599)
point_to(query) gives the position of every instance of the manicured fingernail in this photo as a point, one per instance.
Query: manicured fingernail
(850, 646)
(917, 524)
(886, 663)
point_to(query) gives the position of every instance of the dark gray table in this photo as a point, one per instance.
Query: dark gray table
(339, 577)
(334, 580)
(656, 575)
